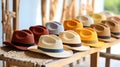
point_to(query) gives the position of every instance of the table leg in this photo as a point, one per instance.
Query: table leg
(107, 62)
(94, 59)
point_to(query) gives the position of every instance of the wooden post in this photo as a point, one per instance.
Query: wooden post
(94, 60)
(16, 10)
(107, 62)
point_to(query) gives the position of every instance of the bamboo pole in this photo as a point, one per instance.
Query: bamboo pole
(3, 19)
(63, 11)
(53, 8)
(43, 12)
(93, 5)
(74, 8)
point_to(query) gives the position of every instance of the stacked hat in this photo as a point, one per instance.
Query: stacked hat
(89, 37)
(107, 14)
(86, 20)
(38, 31)
(115, 18)
(51, 45)
(103, 32)
(72, 40)
(54, 27)
(21, 39)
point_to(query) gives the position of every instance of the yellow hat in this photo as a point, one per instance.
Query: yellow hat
(89, 37)
(72, 24)
(98, 18)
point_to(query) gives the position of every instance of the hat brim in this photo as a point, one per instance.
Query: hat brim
(81, 48)
(99, 44)
(116, 36)
(8, 43)
(107, 40)
(64, 54)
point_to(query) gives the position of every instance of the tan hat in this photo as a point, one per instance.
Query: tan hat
(98, 18)
(107, 13)
(103, 32)
(115, 18)
(86, 20)
(71, 40)
(114, 27)
(89, 37)
(51, 45)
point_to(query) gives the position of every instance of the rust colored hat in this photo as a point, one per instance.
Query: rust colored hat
(114, 27)
(38, 31)
(89, 37)
(72, 24)
(103, 32)
(21, 39)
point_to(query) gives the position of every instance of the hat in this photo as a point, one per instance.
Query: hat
(114, 27)
(72, 24)
(21, 39)
(115, 18)
(86, 20)
(107, 13)
(38, 31)
(89, 37)
(54, 27)
(71, 40)
(98, 18)
(103, 32)
(51, 45)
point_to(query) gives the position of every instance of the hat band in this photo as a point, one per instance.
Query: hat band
(50, 50)
(116, 33)
(22, 44)
(72, 45)
(104, 37)
(90, 41)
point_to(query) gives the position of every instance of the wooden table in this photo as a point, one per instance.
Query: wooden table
(31, 59)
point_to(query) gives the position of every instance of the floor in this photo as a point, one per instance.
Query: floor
(86, 63)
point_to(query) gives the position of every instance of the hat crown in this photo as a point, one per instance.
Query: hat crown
(50, 42)
(23, 36)
(70, 36)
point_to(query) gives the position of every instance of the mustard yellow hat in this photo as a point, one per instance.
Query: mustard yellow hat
(89, 37)
(98, 18)
(72, 24)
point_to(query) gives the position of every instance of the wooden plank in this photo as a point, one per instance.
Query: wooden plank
(94, 60)
(107, 60)
(111, 56)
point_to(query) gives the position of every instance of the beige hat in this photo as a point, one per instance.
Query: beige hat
(114, 27)
(86, 20)
(103, 32)
(107, 13)
(71, 40)
(51, 45)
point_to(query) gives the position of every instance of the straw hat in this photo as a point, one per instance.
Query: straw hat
(21, 39)
(86, 20)
(51, 45)
(114, 27)
(38, 31)
(71, 40)
(54, 27)
(103, 32)
(72, 24)
(89, 37)
(115, 18)
(98, 18)
(107, 13)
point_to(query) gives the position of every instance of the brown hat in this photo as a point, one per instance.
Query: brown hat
(38, 31)
(21, 39)
(114, 27)
(103, 32)
(115, 18)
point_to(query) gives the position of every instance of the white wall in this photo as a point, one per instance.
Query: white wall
(30, 13)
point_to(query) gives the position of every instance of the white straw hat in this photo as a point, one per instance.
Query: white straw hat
(71, 40)
(51, 45)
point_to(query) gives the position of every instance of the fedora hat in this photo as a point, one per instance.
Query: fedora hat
(86, 20)
(107, 13)
(89, 37)
(115, 18)
(38, 31)
(114, 27)
(51, 45)
(103, 32)
(21, 39)
(72, 24)
(98, 18)
(71, 40)
(54, 27)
